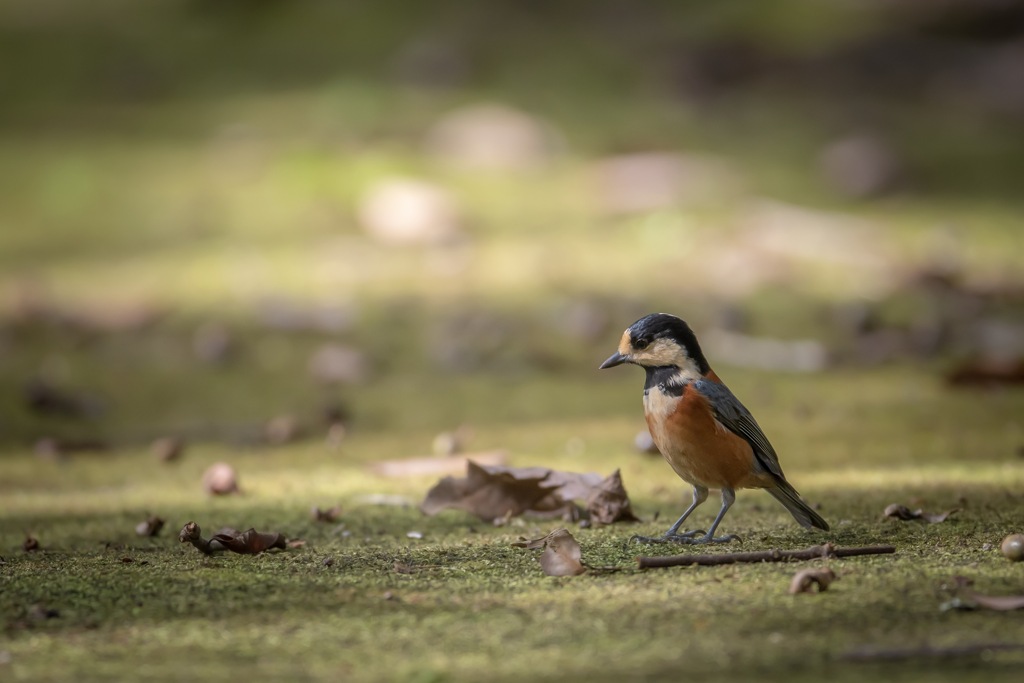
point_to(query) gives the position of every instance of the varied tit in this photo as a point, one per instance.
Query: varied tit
(702, 430)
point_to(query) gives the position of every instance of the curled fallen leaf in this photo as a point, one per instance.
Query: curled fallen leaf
(609, 503)
(897, 511)
(249, 542)
(150, 526)
(493, 492)
(965, 597)
(490, 492)
(327, 515)
(805, 580)
(561, 554)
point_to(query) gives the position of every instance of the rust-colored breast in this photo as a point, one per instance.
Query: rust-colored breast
(698, 447)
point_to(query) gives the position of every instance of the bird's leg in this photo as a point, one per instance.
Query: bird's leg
(728, 498)
(700, 494)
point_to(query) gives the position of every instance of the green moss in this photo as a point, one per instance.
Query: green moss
(474, 606)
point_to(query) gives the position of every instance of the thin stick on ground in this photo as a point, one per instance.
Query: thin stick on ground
(867, 654)
(814, 552)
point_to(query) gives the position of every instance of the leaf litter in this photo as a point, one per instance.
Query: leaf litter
(897, 511)
(248, 542)
(494, 493)
(561, 554)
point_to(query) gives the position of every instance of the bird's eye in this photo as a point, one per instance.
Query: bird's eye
(640, 344)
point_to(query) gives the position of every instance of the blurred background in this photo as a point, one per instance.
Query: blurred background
(249, 222)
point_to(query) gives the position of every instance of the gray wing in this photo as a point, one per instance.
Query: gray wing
(735, 416)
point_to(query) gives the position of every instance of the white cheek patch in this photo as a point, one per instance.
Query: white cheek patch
(665, 352)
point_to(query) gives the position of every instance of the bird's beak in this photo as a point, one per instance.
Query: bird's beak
(613, 360)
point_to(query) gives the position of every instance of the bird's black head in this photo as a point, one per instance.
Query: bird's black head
(660, 340)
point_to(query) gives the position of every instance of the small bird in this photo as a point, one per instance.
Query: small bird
(702, 430)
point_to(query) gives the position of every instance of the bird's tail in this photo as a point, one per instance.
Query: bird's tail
(801, 511)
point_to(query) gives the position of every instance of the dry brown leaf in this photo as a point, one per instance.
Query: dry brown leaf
(561, 555)
(898, 511)
(490, 492)
(965, 597)
(30, 544)
(441, 464)
(805, 580)
(248, 542)
(609, 503)
(150, 526)
(499, 493)
(328, 515)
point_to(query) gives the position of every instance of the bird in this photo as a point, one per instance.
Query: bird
(705, 434)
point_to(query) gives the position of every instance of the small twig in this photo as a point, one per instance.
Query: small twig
(868, 654)
(812, 553)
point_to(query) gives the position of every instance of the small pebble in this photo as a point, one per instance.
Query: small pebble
(1013, 547)
(220, 479)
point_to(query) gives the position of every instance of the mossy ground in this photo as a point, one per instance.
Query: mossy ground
(474, 607)
(205, 180)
